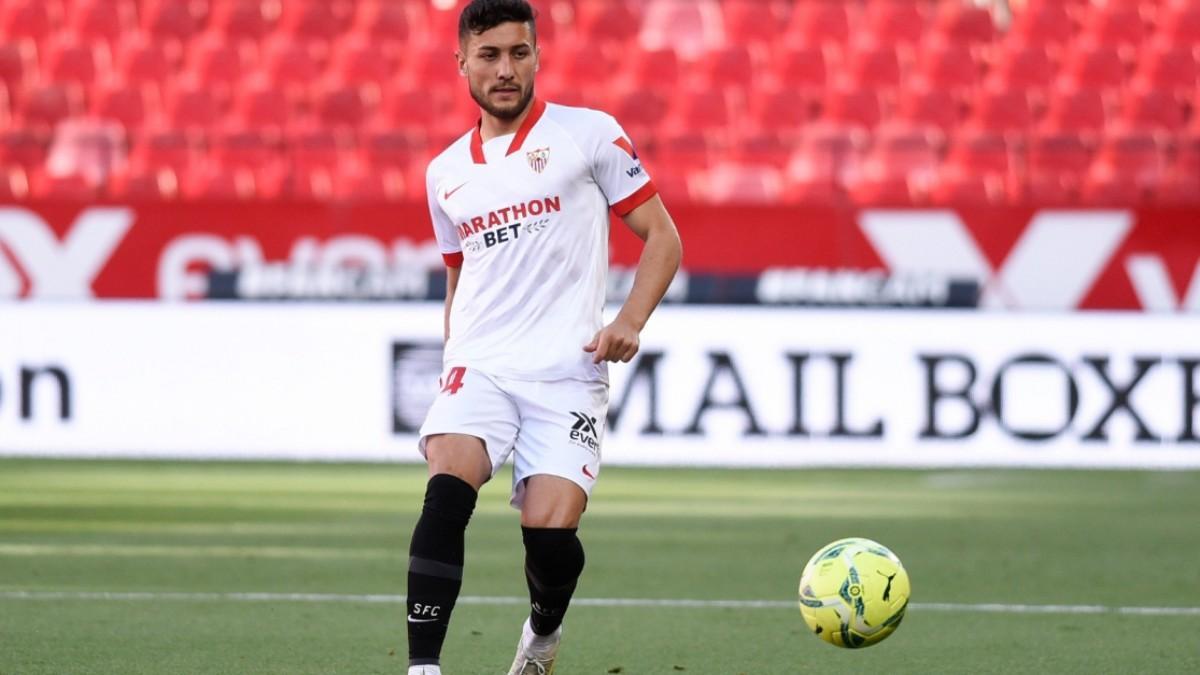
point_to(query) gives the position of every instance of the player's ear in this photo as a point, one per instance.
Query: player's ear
(462, 63)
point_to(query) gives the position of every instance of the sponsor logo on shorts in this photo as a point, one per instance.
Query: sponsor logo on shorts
(583, 431)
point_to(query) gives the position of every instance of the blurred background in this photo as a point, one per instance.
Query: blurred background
(920, 237)
(749, 101)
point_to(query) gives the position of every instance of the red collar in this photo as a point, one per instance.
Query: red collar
(536, 108)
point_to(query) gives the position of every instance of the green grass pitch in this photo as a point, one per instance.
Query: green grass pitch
(151, 567)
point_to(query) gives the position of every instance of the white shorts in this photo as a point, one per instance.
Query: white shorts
(553, 427)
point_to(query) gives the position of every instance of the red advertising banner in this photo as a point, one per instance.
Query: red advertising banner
(1016, 257)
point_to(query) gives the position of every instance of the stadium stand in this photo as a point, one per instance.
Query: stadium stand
(904, 101)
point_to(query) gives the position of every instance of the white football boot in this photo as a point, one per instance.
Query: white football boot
(535, 653)
(424, 670)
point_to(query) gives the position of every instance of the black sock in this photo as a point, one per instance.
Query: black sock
(435, 565)
(553, 561)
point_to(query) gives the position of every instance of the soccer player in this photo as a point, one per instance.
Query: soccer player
(520, 208)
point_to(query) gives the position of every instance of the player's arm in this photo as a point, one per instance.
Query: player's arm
(451, 286)
(618, 341)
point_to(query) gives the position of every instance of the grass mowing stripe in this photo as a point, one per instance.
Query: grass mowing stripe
(590, 602)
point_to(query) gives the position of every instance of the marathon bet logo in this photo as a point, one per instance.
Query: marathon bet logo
(584, 433)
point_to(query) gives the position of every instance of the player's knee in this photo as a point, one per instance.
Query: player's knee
(553, 555)
(450, 499)
(464, 457)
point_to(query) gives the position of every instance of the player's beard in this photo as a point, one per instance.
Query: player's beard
(506, 113)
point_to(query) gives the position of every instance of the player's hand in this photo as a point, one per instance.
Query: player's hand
(618, 341)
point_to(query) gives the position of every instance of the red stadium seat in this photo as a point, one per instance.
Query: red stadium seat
(383, 22)
(816, 23)
(137, 183)
(700, 110)
(1080, 110)
(781, 110)
(18, 63)
(639, 111)
(172, 20)
(894, 22)
(1169, 67)
(215, 182)
(684, 26)
(48, 104)
(261, 105)
(1178, 185)
(949, 65)
(14, 183)
(1094, 66)
(571, 67)
(244, 19)
(1153, 109)
(315, 21)
(1126, 170)
(801, 67)
(1006, 110)
(24, 146)
(1023, 66)
(5, 107)
(289, 64)
(170, 148)
(252, 150)
(897, 170)
(854, 107)
(345, 106)
(71, 187)
(389, 149)
(357, 60)
(601, 21)
(817, 170)
(218, 63)
(1044, 23)
(319, 146)
(873, 66)
(981, 150)
(68, 59)
(929, 105)
(687, 148)
(106, 21)
(764, 147)
(410, 110)
(35, 19)
(1180, 23)
(431, 67)
(130, 104)
(192, 106)
(1115, 25)
(1057, 164)
(651, 69)
(964, 23)
(731, 183)
(367, 184)
(728, 68)
(750, 22)
(142, 59)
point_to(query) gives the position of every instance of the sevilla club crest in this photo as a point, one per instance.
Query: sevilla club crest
(538, 159)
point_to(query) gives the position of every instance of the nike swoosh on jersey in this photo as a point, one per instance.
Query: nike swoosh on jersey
(412, 620)
(447, 193)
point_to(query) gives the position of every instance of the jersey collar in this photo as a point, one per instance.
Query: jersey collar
(536, 108)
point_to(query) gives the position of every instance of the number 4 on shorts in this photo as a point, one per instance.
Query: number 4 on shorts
(454, 380)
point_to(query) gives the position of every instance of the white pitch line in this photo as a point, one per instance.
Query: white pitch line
(985, 608)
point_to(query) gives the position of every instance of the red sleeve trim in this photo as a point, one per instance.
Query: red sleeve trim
(643, 194)
(453, 259)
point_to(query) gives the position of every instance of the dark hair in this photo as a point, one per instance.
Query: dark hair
(482, 15)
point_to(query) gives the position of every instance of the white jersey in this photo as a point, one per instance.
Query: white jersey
(526, 217)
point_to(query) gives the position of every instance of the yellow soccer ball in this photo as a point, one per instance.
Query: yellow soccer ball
(853, 593)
